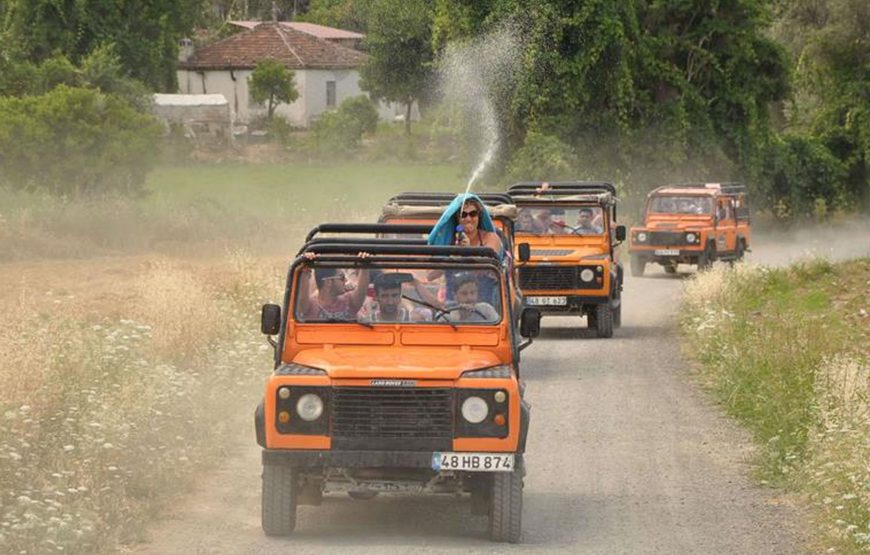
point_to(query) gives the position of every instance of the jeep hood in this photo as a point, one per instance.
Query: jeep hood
(664, 222)
(356, 361)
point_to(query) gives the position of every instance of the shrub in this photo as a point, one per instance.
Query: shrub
(73, 141)
(542, 157)
(801, 177)
(341, 131)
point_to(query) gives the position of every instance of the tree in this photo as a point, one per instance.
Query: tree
(145, 34)
(352, 15)
(273, 83)
(399, 44)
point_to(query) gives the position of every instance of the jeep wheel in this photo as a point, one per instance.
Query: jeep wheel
(506, 507)
(638, 265)
(604, 320)
(741, 250)
(617, 314)
(670, 267)
(278, 500)
(705, 261)
(363, 495)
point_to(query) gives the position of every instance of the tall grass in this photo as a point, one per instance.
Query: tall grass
(203, 209)
(782, 349)
(103, 421)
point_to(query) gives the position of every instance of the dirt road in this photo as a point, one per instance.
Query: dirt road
(625, 455)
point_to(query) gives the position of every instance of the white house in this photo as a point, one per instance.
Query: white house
(326, 73)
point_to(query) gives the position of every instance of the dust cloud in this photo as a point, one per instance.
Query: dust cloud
(842, 240)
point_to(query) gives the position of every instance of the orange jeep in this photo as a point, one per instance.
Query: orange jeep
(566, 236)
(381, 386)
(695, 223)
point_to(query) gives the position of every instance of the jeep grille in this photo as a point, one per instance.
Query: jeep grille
(667, 238)
(555, 278)
(401, 418)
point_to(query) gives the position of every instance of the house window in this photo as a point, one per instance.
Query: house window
(330, 94)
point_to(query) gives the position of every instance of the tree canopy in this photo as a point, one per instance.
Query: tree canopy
(272, 83)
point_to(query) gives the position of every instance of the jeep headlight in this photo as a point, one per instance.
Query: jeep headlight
(475, 410)
(587, 275)
(641, 237)
(691, 237)
(309, 407)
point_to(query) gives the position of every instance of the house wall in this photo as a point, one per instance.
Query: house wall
(311, 84)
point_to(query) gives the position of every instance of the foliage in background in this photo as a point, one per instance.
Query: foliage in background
(145, 34)
(807, 401)
(272, 83)
(73, 142)
(399, 44)
(830, 43)
(352, 15)
(341, 131)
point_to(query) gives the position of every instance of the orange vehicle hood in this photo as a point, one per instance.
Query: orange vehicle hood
(360, 361)
(682, 221)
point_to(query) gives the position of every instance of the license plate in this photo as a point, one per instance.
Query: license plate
(473, 462)
(547, 301)
(667, 252)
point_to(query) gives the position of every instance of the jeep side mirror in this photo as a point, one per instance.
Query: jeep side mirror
(530, 322)
(524, 252)
(620, 233)
(270, 319)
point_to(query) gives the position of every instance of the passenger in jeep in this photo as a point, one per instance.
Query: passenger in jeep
(467, 307)
(333, 301)
(388, 297)
(585, 225)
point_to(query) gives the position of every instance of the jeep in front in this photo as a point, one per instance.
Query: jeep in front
(417, 391)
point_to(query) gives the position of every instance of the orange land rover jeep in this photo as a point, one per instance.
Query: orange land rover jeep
(380, 386)
(566, 236)
(695, 223)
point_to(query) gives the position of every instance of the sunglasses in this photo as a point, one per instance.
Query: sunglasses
(469, 214)
(342, 277)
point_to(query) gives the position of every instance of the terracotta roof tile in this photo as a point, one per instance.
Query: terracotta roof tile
(295, 49)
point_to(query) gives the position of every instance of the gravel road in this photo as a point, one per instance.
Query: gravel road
(625, 455)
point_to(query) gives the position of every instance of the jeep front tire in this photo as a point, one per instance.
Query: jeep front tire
(506, 507)
(604, 320)
(279, 500)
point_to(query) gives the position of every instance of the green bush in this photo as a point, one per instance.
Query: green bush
(801, 177)
(341, 131)
(542, 158)
(73, 142)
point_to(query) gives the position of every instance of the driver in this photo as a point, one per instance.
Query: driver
(468, 308)
(584, 223)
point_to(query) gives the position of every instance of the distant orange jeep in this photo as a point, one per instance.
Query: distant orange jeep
(696, 223)
(392, 388)
(566, 235)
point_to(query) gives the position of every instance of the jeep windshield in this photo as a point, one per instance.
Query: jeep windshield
(560, 220)
(406, 294)
(683, 205)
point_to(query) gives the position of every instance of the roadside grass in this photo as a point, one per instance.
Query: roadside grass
(787, 352)
(106, 420)
(203, 209)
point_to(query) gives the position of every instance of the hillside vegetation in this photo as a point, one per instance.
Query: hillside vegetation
(787, 352)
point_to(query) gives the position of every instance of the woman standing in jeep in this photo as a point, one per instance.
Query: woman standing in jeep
(466, 222)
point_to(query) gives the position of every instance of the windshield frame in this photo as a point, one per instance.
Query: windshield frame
(675, 197)
(606, 216)
(291, 302)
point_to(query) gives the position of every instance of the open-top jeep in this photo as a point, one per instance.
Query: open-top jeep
(383, 385)
(694, 223)
(566, 235)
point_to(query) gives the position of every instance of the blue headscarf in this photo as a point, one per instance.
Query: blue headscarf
(443, 231)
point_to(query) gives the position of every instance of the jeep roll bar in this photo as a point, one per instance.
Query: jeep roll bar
(560, 188)
(400, 249)
(727, 188)
(416, 199)
(368, 228)
(355, 240)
